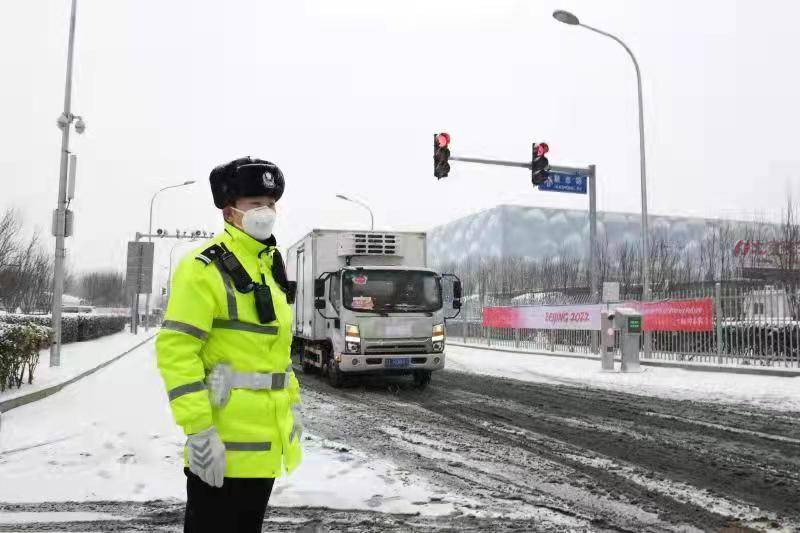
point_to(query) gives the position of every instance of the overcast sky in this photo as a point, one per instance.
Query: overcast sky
(345, 95)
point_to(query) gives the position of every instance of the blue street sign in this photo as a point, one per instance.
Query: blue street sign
(565, 182)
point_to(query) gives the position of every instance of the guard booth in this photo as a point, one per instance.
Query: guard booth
(627, 323)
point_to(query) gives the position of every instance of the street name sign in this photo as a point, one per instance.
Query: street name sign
(571, 182)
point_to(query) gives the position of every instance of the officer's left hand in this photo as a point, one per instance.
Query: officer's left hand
(298, 420)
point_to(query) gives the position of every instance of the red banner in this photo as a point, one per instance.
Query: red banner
(678, 315)
(578, 317)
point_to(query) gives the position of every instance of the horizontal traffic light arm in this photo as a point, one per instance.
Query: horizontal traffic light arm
(554, 168)
(491, 162)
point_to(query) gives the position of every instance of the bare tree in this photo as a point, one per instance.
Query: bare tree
(103, 288)
(787, 255)
(30, 282)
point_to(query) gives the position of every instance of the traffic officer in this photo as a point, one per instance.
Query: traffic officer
(223, 352)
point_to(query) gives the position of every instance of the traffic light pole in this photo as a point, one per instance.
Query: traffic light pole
(590, 173)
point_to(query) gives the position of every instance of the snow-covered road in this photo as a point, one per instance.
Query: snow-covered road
(111, 437)
(562, 448)
(773, 392)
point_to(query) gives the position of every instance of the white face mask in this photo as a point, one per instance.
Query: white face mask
(258, 222)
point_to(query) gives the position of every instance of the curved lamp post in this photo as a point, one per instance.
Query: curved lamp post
(568, 18)
(150, 239)
(362, 204)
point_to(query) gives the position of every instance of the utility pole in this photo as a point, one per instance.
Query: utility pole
(62, 218)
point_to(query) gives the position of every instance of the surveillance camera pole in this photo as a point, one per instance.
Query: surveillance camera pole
(59, 227)
(135, 295)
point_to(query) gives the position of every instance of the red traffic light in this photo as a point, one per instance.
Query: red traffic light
(542, 149)
(443, 139)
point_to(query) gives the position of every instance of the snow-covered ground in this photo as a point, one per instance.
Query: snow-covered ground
(774, 392)
(77, 357)
(111, 436)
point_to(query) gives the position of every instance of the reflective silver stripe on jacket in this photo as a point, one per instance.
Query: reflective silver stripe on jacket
(248, 446)
(182, 390)
(183, 327)
(244, 326)
(257, 380)
(233, 311)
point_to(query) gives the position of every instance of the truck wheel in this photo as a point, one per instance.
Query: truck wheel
(422, 378)
(308, 368)
(334, 374)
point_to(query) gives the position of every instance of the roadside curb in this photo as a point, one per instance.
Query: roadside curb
(792, 373)
(7, 405)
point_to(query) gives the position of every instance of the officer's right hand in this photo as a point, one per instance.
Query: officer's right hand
(207, 456)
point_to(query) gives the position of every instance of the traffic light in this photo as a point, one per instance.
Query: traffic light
(539, 164)
(441, 155)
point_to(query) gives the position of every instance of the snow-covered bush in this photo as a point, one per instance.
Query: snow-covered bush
(19, 351)
(94, 326)
(22, 336)
(74, 327)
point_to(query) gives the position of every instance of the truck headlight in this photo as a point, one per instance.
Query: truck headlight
(352, 347)
(438, 333)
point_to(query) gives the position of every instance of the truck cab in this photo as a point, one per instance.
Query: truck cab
(379, 312)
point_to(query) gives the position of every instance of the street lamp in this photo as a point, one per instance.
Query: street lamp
(150, 239)
(362, 204)
(568, 18)
(60, 216)
(169, 274)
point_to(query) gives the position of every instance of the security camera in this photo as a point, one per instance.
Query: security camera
(160, 232)
(62, 121)
(80, 126)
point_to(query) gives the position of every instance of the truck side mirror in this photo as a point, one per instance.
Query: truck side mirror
(457, 294)
(319, 288)
(319, 304)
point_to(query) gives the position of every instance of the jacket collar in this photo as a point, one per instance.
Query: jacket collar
(246, 242)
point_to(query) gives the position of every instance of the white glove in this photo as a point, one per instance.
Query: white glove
(298, 422)
(207, 456)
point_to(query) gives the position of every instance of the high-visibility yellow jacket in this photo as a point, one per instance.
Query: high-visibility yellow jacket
(208, 322)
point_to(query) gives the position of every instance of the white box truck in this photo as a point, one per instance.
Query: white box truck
(367, 304)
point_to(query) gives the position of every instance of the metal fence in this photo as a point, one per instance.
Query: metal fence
(751, 326)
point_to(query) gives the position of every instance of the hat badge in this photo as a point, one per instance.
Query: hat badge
(269, 181)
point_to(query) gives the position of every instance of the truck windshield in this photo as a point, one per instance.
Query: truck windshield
(391, 291)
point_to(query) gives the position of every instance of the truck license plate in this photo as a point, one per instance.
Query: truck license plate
(397, 362)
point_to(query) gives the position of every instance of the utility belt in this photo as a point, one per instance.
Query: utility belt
(222, 379)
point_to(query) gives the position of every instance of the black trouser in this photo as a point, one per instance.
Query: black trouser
(236, 507)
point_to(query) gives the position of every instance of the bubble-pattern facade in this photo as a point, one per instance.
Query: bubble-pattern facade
(539, 232)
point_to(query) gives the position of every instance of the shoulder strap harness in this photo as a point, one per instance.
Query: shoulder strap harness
(230, 264)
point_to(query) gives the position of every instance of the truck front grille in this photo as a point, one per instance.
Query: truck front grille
(395, 348)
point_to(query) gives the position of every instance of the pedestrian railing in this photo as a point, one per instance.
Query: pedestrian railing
(718, 326)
